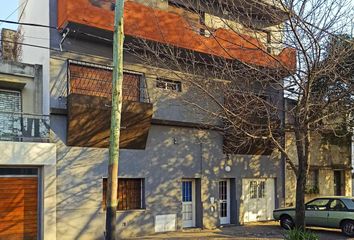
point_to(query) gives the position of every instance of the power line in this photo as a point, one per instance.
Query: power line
(56, 28)
(27, 24)
(12, 13)
(52, 49)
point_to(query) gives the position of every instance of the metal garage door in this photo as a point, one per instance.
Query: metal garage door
(18, 203)
(258, 199)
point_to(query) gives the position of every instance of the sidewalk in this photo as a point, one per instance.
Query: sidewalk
(254, 231)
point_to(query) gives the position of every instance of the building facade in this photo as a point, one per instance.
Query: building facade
(330, 164)
(28, 159)
(330, 172)
(173, 173)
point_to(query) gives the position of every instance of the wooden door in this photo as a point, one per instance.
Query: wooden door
(18, 208)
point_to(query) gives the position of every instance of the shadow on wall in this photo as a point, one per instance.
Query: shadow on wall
(172, 154)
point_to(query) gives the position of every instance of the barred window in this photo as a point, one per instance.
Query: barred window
(130, 193)
(169, 85)
(257, 189)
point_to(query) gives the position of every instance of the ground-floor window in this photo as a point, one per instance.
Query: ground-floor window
(130, 193)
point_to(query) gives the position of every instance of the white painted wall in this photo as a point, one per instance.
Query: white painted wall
(36, 11)
(43, 155)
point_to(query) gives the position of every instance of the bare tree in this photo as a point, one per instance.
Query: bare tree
(239, 86)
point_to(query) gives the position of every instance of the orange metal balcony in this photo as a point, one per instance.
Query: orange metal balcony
(170, 28)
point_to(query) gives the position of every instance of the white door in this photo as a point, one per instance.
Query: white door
(224, 201)
(258, 199)
(188, 203)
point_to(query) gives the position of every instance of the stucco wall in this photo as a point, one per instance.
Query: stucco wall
(172, 153)
(36, 12)
(168, 105)
(41, 155)
(31, 77)
(325, 157)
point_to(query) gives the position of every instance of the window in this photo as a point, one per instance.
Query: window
(312, 182)
(194, 17)
(10, 107)
(130, 193)
(337, 205)
(18, 171)
(318, 205)
(10, 101)
(257, 189)
(169, 85)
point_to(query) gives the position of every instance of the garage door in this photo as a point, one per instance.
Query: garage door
(258, 199)
(18, 204)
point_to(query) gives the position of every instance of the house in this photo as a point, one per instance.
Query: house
(174, 171)
(330, 165)
(28, 159)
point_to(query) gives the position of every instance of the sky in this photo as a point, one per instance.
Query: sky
(8, 10)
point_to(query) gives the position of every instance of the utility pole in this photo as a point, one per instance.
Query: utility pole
(112, 183)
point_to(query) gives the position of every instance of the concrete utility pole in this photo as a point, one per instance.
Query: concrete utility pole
(112, 183)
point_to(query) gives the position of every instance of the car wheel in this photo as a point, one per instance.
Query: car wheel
(348, 228)
(286, 222)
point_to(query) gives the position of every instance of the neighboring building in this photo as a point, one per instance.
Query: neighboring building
(173, 174)
(10, 48)
(28, 160)
(330, 172)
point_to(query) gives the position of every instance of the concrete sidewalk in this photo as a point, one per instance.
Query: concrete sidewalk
(254, 231)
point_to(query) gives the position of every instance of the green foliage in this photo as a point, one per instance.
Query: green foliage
(297, 234)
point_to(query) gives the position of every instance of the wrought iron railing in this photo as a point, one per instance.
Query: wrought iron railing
(23, 127)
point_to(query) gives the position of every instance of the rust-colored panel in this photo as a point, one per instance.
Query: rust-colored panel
(18, 208)
(89, 122)
(161, 26)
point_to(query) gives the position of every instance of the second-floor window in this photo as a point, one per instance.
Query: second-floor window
(10, 101)
(312, 182)
(166, 84)
(10, 107)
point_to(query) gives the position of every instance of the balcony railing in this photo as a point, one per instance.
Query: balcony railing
(23, 127)
(96, 80)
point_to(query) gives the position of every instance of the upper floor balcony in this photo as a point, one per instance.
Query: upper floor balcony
(171, 27)
(89, 101)
(23, 127)
(21, 108)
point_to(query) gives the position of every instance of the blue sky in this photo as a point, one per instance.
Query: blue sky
(7, 7)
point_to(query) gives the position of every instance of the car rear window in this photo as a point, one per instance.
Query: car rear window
(350, 203)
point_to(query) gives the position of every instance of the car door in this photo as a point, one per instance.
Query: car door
(336, 212)
(317, 212)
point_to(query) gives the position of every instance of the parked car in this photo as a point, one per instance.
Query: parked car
(328, 212)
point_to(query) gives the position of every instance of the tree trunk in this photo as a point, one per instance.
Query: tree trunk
(112, 183)
(302, 142)
(300, 195)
